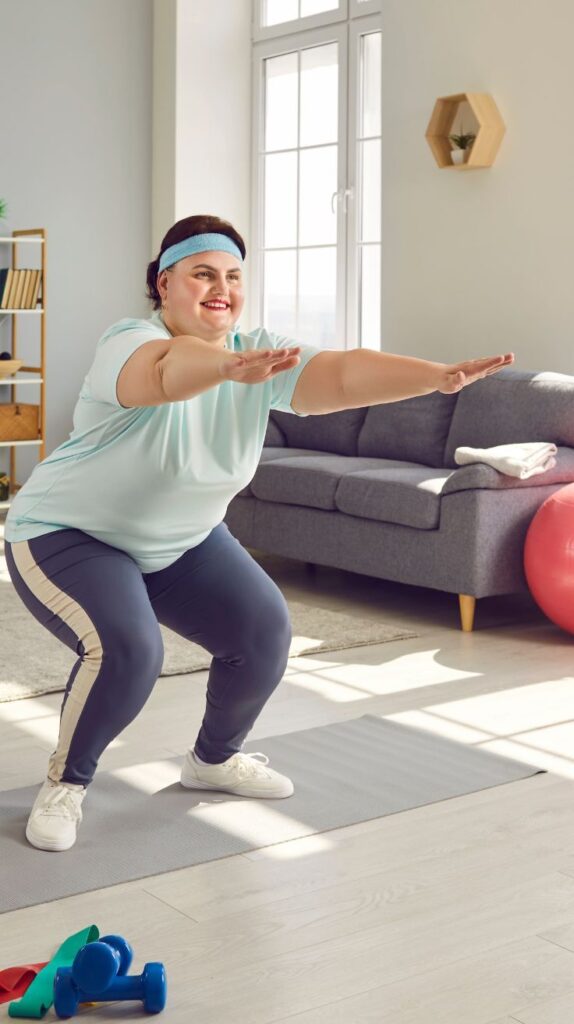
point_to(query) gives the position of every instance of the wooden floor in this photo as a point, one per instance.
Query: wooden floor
(461, 912)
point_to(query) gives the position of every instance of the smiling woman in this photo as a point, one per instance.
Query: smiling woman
(183, 229)
(197, 295)
(122, 527)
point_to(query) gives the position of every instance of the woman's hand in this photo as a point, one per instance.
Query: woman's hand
(257, 365)
(456, 377)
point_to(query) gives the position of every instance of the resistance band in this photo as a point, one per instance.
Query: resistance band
(15, 980)
(38, 999)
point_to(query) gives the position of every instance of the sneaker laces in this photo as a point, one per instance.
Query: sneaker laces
(248, 767)
(61, 802)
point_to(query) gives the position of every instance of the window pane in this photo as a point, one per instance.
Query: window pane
(276, 11)
(318, 6)
(319, 85)
(371, 190)
(317, 291)
(371, 85)
(279, 293)
(280, 200)
(317, 182)
(281, 102)
(370, 328)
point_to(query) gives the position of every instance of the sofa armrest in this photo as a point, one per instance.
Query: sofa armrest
(274, 438)
(480, 476)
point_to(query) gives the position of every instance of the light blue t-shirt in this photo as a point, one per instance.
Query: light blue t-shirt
(153, 480)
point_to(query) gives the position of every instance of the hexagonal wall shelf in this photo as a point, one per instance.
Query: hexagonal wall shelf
(489, 134)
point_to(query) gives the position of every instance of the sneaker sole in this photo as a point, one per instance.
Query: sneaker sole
(45, 844)
(191, 783)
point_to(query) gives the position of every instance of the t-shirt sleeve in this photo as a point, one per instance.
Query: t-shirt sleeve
(284, 383)
(114, 349)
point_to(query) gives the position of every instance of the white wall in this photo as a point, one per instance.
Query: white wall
(477, 262)
(202, 114)
(123, 117)
(75, 158)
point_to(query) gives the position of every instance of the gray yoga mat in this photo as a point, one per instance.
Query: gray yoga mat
(141, 821)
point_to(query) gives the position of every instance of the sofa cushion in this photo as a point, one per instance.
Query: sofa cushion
(513, 406)
(402, 493)
(302, 477)
(382, 489)
(336, 432)
(268, 454)
(414, 430)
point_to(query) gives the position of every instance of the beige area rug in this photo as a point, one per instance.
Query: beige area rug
(33, 662)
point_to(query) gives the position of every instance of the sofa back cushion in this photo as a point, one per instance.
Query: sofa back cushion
(414, 430)
(513, 406)
(274, 436)
(336, 432)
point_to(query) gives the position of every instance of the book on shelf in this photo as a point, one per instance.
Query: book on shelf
(19, 289)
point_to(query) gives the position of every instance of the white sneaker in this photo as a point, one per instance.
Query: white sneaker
(55, 816)
(242, 774)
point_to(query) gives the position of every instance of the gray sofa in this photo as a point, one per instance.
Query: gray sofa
(377, 491)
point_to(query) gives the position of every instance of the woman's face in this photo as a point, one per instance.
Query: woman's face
(203, 295)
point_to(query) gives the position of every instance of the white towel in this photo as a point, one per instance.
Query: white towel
(521, 460)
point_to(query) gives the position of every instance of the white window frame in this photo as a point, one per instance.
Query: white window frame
(358, 28)
(334, 33)
(347, 35)
(360, 7)
(296, 25)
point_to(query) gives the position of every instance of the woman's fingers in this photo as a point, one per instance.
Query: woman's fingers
(476, 368)
(255, 366)
(462, 374)
(268, 355)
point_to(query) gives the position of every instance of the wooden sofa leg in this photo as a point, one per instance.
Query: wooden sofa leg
(467, 606)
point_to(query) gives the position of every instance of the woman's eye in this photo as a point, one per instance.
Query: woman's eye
(205, 273)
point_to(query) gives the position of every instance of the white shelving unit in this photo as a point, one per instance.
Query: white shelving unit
(26, 374)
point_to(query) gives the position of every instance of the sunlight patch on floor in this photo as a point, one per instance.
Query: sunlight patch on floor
(296, 848)
(253, 821)
(4, 574)
(520, 751)
(23, 710)
(515, 709)
(338, 693)
(150, 777)
(439, 726)
(45, 728)
(342, 682)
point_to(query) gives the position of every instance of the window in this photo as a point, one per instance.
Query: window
(367, 257)
(276, 17)
(317, 182)
(276, 12)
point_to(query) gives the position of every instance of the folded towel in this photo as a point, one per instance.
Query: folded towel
(521, 460)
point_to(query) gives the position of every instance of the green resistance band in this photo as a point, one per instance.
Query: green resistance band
(39, 997)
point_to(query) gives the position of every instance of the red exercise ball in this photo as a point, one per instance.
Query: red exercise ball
(549, 557)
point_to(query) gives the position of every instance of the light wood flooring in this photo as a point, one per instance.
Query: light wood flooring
(461, 912)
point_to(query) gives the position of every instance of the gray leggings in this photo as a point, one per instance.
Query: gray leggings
(96, 600)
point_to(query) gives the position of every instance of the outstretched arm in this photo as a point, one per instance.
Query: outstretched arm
(333, 381)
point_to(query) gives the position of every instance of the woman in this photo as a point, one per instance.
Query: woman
(121, 527)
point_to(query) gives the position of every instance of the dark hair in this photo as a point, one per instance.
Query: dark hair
(202, 224)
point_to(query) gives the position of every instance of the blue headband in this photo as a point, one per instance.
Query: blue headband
(198, 243)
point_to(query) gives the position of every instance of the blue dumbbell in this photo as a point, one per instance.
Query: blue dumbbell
(98, 975)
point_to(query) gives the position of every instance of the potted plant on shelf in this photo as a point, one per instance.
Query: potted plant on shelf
(2, 208)
(463, 144)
